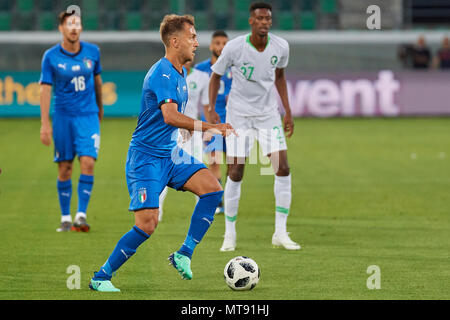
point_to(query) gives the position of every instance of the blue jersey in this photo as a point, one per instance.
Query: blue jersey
(224, 89)
(72, 78)
(162, 84)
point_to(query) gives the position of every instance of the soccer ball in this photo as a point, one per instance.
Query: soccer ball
(241, 273)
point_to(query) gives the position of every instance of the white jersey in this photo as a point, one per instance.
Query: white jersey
(253, 74)
(198, 82)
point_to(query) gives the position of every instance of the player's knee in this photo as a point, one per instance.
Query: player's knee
(64, 171)
(147, 221)
(236, 173)
(87, 165)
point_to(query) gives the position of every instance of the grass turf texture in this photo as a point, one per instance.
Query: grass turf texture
(365, 192)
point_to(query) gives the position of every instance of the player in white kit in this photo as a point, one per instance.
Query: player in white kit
(257, 61)
(191, 142)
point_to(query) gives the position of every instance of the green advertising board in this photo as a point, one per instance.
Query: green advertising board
(19, 93)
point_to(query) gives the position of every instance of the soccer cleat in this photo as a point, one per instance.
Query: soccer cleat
(80, 224)
(65, 226)
(183, 265)
(102, 286)
(219, 210)
(229, 243)
(283, 240)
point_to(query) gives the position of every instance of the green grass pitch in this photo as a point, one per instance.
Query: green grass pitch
(365, 192)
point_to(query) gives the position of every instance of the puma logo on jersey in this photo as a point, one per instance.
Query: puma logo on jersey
(62, 66)
(167, 76)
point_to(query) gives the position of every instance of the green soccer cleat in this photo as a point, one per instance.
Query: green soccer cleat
(102, 286)
(183, 265)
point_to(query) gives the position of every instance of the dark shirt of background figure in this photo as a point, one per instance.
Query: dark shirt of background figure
(443, 55)
(420, 54)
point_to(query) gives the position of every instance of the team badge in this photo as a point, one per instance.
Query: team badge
(274, 60)
(87, 63)
(142, 193)
(192, 85)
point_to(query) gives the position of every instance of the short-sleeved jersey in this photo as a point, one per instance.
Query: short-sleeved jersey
(162, 84)
(253, 73)
(224, 89)
(72, 77)
(198, 82)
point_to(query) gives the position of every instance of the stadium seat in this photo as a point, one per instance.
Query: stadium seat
(198, 5)
(201, 20)
(46, 21)
(220, 21)
(5, 21)
(241, 21)
(134, 5)
(133, 21)
(242, 6)
(111, 5)
(46, 5)
(307, 21)
(328, 6)
(285, 5)
(89, 6)
(90, 21)
(285, 20)
(25, 5)
(219, 6)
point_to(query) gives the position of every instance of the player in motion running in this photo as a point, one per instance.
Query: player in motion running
(73, 69)
(257, 61)
(153, 155)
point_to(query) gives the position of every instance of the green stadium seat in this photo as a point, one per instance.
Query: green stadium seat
(46, 5)
(241, 21)
(46, 21)
(25, 5)
(134, 5)
(89, 6)
(201, 20)
(133, 21)
(198, 5)
(5, 21)
(220, 22)
(90, 21)
(242, 6)
(328, 6)
(307, 21)
(174, 6)
(219, 6)
(285, 5)
(111, 5)
(157, 5)
(285, 20)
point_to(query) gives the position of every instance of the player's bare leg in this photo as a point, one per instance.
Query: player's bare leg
(214, 161)
(85, 184)
(283, 197)
(64, 186)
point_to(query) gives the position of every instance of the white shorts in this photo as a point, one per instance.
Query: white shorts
(194, 144)
(267, 129)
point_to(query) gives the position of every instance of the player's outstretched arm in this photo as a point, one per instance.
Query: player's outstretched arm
(98, 83)
(176, 119)
(46, 128)
(214, 85)
(280, 84)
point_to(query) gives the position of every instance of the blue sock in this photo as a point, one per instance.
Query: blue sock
(201, 220)
(84, 191)
(64, 195)
(124, 249)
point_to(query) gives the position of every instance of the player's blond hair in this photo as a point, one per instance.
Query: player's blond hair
(173, 23)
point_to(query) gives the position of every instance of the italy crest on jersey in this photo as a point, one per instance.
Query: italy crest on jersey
(88, 63)
(142, 193)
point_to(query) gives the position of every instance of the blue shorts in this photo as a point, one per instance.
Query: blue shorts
(147, 176)
(75, 135)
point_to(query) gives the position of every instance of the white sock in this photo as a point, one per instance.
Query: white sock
(162, 197)
(66, 218)
(283, 196)
(231, 197)
(80, 215)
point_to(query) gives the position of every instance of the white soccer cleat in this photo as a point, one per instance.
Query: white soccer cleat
(229, 243)
(283, 240)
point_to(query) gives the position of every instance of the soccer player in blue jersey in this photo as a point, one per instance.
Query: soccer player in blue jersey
(72, 69)
(154, 161)
(216, 146)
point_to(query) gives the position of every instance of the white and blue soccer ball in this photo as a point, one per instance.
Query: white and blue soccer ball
(241, 273)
